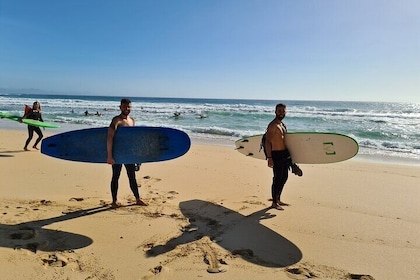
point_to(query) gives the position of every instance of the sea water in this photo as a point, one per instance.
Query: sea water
(388, 131)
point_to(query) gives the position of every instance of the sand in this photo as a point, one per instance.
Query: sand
(208, 218)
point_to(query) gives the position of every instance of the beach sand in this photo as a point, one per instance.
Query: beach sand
(208, 218)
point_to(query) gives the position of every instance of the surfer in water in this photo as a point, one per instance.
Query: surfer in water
(34, 114)
(278, 156)
(123, 119)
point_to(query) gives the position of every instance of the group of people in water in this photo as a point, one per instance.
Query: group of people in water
(96, 114)
(177, 115)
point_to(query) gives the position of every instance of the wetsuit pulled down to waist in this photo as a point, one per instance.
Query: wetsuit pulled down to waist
(281, 157)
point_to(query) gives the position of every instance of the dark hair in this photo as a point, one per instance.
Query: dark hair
(280, 105)
(36, 102)
(125, 101)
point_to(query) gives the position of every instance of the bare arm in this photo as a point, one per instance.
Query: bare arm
(110, 142)
(268, 144)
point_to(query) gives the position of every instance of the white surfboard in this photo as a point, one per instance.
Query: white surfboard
(306, 147)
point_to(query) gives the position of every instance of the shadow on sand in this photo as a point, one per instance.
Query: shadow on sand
(32, 235)
(6, 155)
(11, 153)
(241, 235)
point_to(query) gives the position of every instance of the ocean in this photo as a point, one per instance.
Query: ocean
(384, 131)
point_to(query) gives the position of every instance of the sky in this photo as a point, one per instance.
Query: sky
(350, 50)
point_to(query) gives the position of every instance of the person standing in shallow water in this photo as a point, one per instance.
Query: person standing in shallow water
(33, 114)
(123, 119)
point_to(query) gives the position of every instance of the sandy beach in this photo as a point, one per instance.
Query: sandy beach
(208, 218)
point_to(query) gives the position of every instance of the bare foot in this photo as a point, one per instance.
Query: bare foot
(283, 203)
(35, 147)
(140, 202)
(26, 149)
(276, 206)
(115, 204)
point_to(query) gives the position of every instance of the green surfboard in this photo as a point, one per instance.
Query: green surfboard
(28, 121)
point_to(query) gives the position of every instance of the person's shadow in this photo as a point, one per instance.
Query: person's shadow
(32, 236)
(241, 235)
(11, 153)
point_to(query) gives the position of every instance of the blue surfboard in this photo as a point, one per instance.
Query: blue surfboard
(136, 144)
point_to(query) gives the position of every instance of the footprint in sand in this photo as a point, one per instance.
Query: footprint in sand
(172, 194)
(45, 202)
(211, 260)
(189, 228)
(27, 234)
(60, 259)
(147, 181)
(157, 198)
(156, 270)
(24, 233)
(360, 277)
(309, 271)
(300, 273)
(253, 202)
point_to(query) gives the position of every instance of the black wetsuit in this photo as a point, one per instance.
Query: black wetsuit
(281, 163)
(34, 115)
(116, 171)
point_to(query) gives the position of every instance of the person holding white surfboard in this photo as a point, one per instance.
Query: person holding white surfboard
(123, 119)
(278, 156)
(33, 113)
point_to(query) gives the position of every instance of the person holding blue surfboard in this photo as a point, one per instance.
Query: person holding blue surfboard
(33, 113)
(278, 156)
(123, 119)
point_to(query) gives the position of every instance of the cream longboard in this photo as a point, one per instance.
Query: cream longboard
(306, 147)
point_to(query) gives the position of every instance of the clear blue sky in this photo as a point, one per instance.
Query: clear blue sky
(361, 50)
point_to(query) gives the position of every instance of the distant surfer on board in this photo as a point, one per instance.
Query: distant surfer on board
(123, 119)
(278, 156)
(33, 113)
